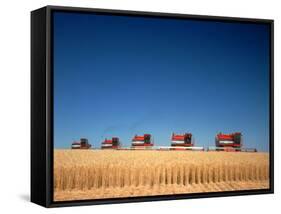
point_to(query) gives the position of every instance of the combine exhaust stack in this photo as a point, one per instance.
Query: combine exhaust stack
(114, 143)
(142, 142)
(82, 144)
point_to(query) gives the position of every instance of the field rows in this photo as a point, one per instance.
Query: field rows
(101, 174)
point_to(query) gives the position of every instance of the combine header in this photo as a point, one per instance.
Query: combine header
(142, 142)
(82, 144)
(114, 143)
(230, 143)
(182, 142)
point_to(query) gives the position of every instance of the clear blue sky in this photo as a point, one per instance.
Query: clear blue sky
(120, 76)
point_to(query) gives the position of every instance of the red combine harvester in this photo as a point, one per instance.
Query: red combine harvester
(231, 143)
(184, 140)
(114, 143)
(142, 142)
(181, 142)
(82, 144)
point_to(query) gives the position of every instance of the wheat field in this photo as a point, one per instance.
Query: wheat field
(94, 174)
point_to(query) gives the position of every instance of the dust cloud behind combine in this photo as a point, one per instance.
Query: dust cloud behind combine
(94, 174)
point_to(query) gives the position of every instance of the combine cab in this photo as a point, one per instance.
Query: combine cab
(142, 142)
(230, 143)
(82, 144)
(114, 143)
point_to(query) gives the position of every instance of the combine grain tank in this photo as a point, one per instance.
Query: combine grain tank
(114, 143)
(82, 144)
(142, 142)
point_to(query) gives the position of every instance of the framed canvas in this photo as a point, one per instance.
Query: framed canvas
(133, 106)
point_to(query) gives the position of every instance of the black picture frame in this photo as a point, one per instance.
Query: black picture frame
(42, 107)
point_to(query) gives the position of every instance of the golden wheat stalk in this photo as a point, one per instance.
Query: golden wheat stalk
(85, 170)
